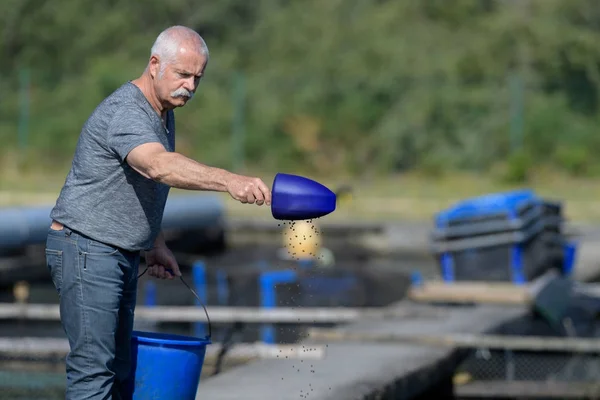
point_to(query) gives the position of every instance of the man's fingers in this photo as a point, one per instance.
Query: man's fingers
(260, 199)
(159, 271)
(165, 273)
(250, 191)
(152, 270)
(174, 268)
(266, 192)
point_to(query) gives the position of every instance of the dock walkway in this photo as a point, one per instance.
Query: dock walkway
(366, 370)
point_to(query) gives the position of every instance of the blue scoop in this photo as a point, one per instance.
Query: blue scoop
(294, 197)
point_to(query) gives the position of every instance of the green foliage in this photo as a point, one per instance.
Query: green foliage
(518, 167)
(331, 86)
(575, 160)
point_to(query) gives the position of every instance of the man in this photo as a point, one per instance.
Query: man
(111, 206)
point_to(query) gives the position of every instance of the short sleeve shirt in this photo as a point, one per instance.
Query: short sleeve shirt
(103, 197)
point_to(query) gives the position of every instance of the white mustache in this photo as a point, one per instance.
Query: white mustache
(182, 93)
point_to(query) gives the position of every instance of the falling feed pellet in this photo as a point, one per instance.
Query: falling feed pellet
(302, 242)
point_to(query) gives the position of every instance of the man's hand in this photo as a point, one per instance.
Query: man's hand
(248, 190)
(159, 260)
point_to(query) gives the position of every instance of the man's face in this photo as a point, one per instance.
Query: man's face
(176, 82)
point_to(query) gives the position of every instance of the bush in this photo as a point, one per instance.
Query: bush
(574, 160)
(517, 168)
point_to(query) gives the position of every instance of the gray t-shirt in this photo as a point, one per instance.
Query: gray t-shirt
(103, 197)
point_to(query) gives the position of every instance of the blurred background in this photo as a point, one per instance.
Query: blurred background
(402, 107)
(378, 90)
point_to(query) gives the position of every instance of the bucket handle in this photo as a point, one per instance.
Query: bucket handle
(195, 295)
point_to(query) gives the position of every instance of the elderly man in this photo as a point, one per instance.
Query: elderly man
(111, 206)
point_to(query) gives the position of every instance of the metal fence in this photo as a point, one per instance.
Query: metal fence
(496, 373)
(509, 365)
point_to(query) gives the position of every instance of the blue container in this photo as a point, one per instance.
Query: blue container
(294, 197)
(165, 366)
(496, 212)
(510, 236)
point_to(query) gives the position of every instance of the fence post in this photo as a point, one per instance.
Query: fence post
(150, 294)
(268, 297)
(510, 365)
(237, 128)
(222, 288)
(24, 83)
(199, 276)
(516, 111)
(416, 278)
(518, 275)
(447, 267)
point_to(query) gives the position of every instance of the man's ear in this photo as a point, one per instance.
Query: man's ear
(154, 67)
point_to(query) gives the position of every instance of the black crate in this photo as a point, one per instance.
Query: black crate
(516, 256)
(514, 236)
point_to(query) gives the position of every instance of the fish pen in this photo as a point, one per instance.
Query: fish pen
(491, 312)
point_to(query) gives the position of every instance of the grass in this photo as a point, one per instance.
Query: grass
(403, 197)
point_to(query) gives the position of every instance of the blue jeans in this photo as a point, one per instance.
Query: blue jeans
(97, 287)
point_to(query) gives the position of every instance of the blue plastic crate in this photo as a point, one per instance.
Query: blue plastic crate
(509, 236)
(496, 212)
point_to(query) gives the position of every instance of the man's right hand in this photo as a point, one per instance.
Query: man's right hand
(249, 190)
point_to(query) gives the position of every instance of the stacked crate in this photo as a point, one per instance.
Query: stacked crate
(511, 236)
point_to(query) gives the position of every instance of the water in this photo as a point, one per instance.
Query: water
(24, 382)
(40, 380)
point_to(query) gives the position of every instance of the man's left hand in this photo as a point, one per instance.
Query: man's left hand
(159, 260)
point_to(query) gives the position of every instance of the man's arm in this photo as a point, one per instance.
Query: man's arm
(160, 241)
(176, 170)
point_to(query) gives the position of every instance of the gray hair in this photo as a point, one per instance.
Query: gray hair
(168, 42)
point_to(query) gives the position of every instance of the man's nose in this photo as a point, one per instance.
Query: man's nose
(190, 84)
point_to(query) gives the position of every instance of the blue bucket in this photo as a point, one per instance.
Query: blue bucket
(165, 366)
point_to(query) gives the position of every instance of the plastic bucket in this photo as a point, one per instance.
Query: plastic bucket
(165, 366)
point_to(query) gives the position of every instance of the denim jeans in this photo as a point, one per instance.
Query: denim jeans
(97, 286)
